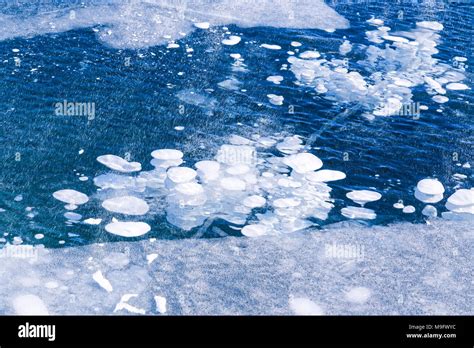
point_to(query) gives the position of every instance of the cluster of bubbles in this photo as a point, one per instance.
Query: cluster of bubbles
(399, 62)
(260, 186)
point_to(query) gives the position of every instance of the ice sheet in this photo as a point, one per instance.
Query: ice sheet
(346, 269)
(136, 24)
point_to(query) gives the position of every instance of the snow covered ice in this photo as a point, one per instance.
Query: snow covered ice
(185, 276)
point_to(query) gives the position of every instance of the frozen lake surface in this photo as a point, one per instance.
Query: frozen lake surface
(211, 157)
(405, 269)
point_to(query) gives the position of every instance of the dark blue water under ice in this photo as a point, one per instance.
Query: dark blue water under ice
(137, 110)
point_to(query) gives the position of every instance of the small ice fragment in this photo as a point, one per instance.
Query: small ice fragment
(15, 50)
(160, 302)
(271, 47)
(441, 99)
(127, 205)
(202, 25)
(426, 198)
(304, 306)
(128, 229)
(375, 21)
(231, 84)
(276, 99)
(359, 295)
(457, 86)
(81, 151)
(72, 216)
(429, 211)
(172, 45)
(150, 258)
(232, 40)
(289, 145)
(460, 59)
(296, 44)
(179, 128)
(461, 201)
(102, 281)
(303, 162)
(167, 154)
(119, 164)
(395, 38)
(92, 221)
(363, 196)
(310, 55)
(459, 176)
(275, 79)
(409, 209)
(433, 25)
(39, 236)
(254, 201)
(124, 305)
(358, 213)
(71, 197)
(325, 175)
(18, 198)
(345, 47)
(430, 187)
